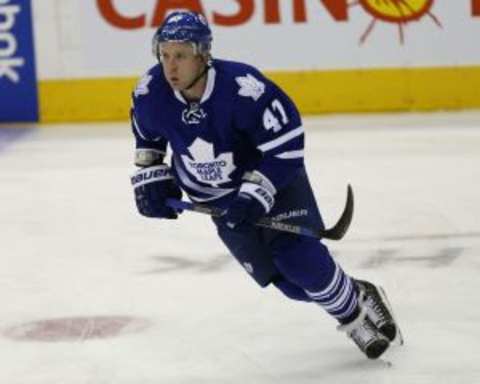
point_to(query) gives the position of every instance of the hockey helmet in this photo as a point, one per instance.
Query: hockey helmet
(181, 27)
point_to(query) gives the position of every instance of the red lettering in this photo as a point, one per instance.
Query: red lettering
(110, 14)
(245, 12)
(475, 7)
(299, 11)
(163, 6)
(337, 8)
(272, 11)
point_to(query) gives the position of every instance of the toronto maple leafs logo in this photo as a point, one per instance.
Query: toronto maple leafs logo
(205, 167)
(202, 19)
(250, 86)
(142, 85)
(193, 114)
(175, 19)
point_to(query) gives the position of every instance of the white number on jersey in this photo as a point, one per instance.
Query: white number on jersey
(270, 121)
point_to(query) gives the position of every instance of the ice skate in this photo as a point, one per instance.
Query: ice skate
(378, 311)
(364, 333)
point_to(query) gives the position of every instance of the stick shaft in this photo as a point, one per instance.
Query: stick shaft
(335, 233)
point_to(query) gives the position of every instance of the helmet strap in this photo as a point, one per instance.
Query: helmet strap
(199, 76)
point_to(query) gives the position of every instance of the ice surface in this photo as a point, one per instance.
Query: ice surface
(93, 293)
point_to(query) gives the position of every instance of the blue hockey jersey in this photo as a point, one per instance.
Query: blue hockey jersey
(243, 123)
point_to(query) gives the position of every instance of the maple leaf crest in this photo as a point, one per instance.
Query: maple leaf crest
(205, 167)
(142, 85)
(250, 87)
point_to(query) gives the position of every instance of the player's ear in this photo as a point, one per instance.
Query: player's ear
(200, 58)
(205, 58)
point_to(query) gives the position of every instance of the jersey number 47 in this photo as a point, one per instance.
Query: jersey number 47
(272, 114)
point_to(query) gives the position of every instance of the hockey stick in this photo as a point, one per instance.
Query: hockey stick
(335, 233)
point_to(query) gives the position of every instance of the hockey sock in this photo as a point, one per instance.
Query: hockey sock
(307, 263)
(339, 298)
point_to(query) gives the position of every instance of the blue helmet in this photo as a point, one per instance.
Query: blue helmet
(185, 26)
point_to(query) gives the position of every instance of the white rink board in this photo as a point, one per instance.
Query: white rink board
(74, 41)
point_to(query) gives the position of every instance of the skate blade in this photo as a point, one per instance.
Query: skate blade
(399, 340)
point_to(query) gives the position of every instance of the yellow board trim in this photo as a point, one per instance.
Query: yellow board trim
(315, 92)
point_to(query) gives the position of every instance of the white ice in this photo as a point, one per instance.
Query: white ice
(73, 247)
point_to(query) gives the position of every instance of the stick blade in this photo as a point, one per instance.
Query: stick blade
(338, 231)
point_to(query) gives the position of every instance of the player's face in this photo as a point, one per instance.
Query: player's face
(180, 65)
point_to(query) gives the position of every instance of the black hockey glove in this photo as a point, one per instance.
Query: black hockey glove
(252, 203)
(152, 186)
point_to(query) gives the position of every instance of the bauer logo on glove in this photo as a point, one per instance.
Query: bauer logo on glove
(151, 174)
(152, 187)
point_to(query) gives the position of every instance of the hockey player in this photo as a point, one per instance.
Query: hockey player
(237, 143)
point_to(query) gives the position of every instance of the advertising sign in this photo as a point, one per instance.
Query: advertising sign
(18, 85)
(291, 34)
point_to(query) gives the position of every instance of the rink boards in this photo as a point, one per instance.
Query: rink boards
(330, 56)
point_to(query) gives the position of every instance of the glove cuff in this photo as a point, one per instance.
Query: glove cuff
(151, 174)
(259, 193)
(146, 157)
(259, 178)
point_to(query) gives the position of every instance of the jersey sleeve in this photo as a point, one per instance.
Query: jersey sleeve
(150, 148)
(273, 123)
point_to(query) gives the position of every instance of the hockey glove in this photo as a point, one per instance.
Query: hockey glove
(152, 186)
(252, 203)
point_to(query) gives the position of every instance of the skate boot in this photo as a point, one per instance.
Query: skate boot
(378, 312)
(364, 333)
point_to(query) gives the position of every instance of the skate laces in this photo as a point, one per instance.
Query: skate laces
(376, 304)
